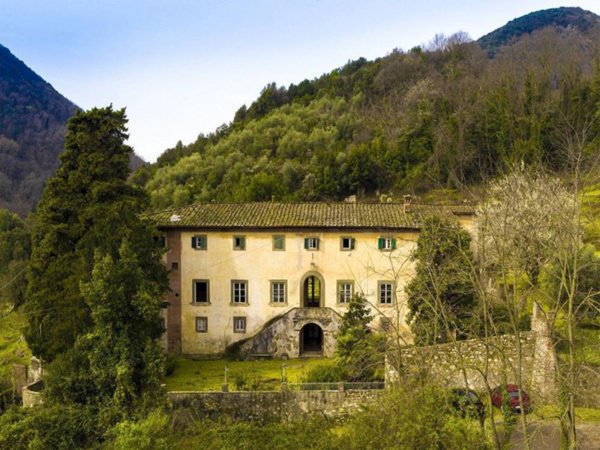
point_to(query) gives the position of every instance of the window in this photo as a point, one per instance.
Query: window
(201, 324)
(239, 292)
(239, 242)
(199, 242)
(345, 290)
(386, 243)
(386, 292)
(201, 291)
(279, 242)
(311, 243)
(347, 243)
(174, 265)
(278, 292)
(239, 324)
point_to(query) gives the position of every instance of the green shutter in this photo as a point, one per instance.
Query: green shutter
(317, 241)
(306, 243)
(380, 243)
(352, 242)
(193, 241)
(393, 243)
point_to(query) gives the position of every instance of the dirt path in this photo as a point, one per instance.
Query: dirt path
(546, 436)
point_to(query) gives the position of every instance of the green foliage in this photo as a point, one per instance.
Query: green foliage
(413, 418)
(360, 351)
(323, 373)
(555, 17)
(96, 282)
(15, 248)
(308, 434)
(86, 207)
(13, 350)
(117, 365)
(441, 296)
(149, 433)
(48, 427)
(409, 121)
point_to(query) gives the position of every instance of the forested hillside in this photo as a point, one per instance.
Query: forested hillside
(32, 128)
(443, 115)
(33, 117)
(556, 17)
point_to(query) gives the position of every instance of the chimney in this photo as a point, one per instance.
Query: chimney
(407, 199)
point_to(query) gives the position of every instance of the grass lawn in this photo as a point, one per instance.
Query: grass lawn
(208, 375)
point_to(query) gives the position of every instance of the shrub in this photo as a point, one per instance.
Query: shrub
(310, 434)
(146, 434)
(46, 427)
(171, 363)
(323, 373)
(410, 419)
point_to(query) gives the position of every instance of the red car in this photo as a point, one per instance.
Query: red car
(502, 398)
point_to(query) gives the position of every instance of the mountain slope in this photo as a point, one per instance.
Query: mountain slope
(32, 126)
(556, 17)
(442, 117)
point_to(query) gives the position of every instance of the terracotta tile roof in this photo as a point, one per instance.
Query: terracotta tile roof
(296, 215)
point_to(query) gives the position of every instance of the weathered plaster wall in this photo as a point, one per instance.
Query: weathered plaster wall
(271, 406)
(259, 264)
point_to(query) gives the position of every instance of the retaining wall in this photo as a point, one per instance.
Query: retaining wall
(272, 405)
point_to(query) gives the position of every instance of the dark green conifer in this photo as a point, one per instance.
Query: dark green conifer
(87, 207)
(441, 296)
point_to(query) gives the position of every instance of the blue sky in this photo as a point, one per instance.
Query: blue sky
(182, 67)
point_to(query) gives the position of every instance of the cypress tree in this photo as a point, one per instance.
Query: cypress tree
(441, 296)
(87, 207)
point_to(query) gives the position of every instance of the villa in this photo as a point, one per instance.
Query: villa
(274, 279)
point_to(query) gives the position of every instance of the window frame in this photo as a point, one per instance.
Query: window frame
(196, 238)
(351, 241)
(282, 240)
(239, 319)
(383, 241)
(194, 295)
(233, 292)
(380, 285)
(316, 241)
(242, 239)
(339, 291)
(199, 320)
(285, 292)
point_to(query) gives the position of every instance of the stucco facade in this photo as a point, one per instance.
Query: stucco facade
(249, 282)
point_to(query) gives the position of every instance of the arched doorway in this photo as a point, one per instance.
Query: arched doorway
(311, 339)
(312, 291)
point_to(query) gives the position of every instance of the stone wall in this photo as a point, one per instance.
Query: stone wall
(32, 393)
(272, 405)
(478, 360)
(529, 361)
(280, 337)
